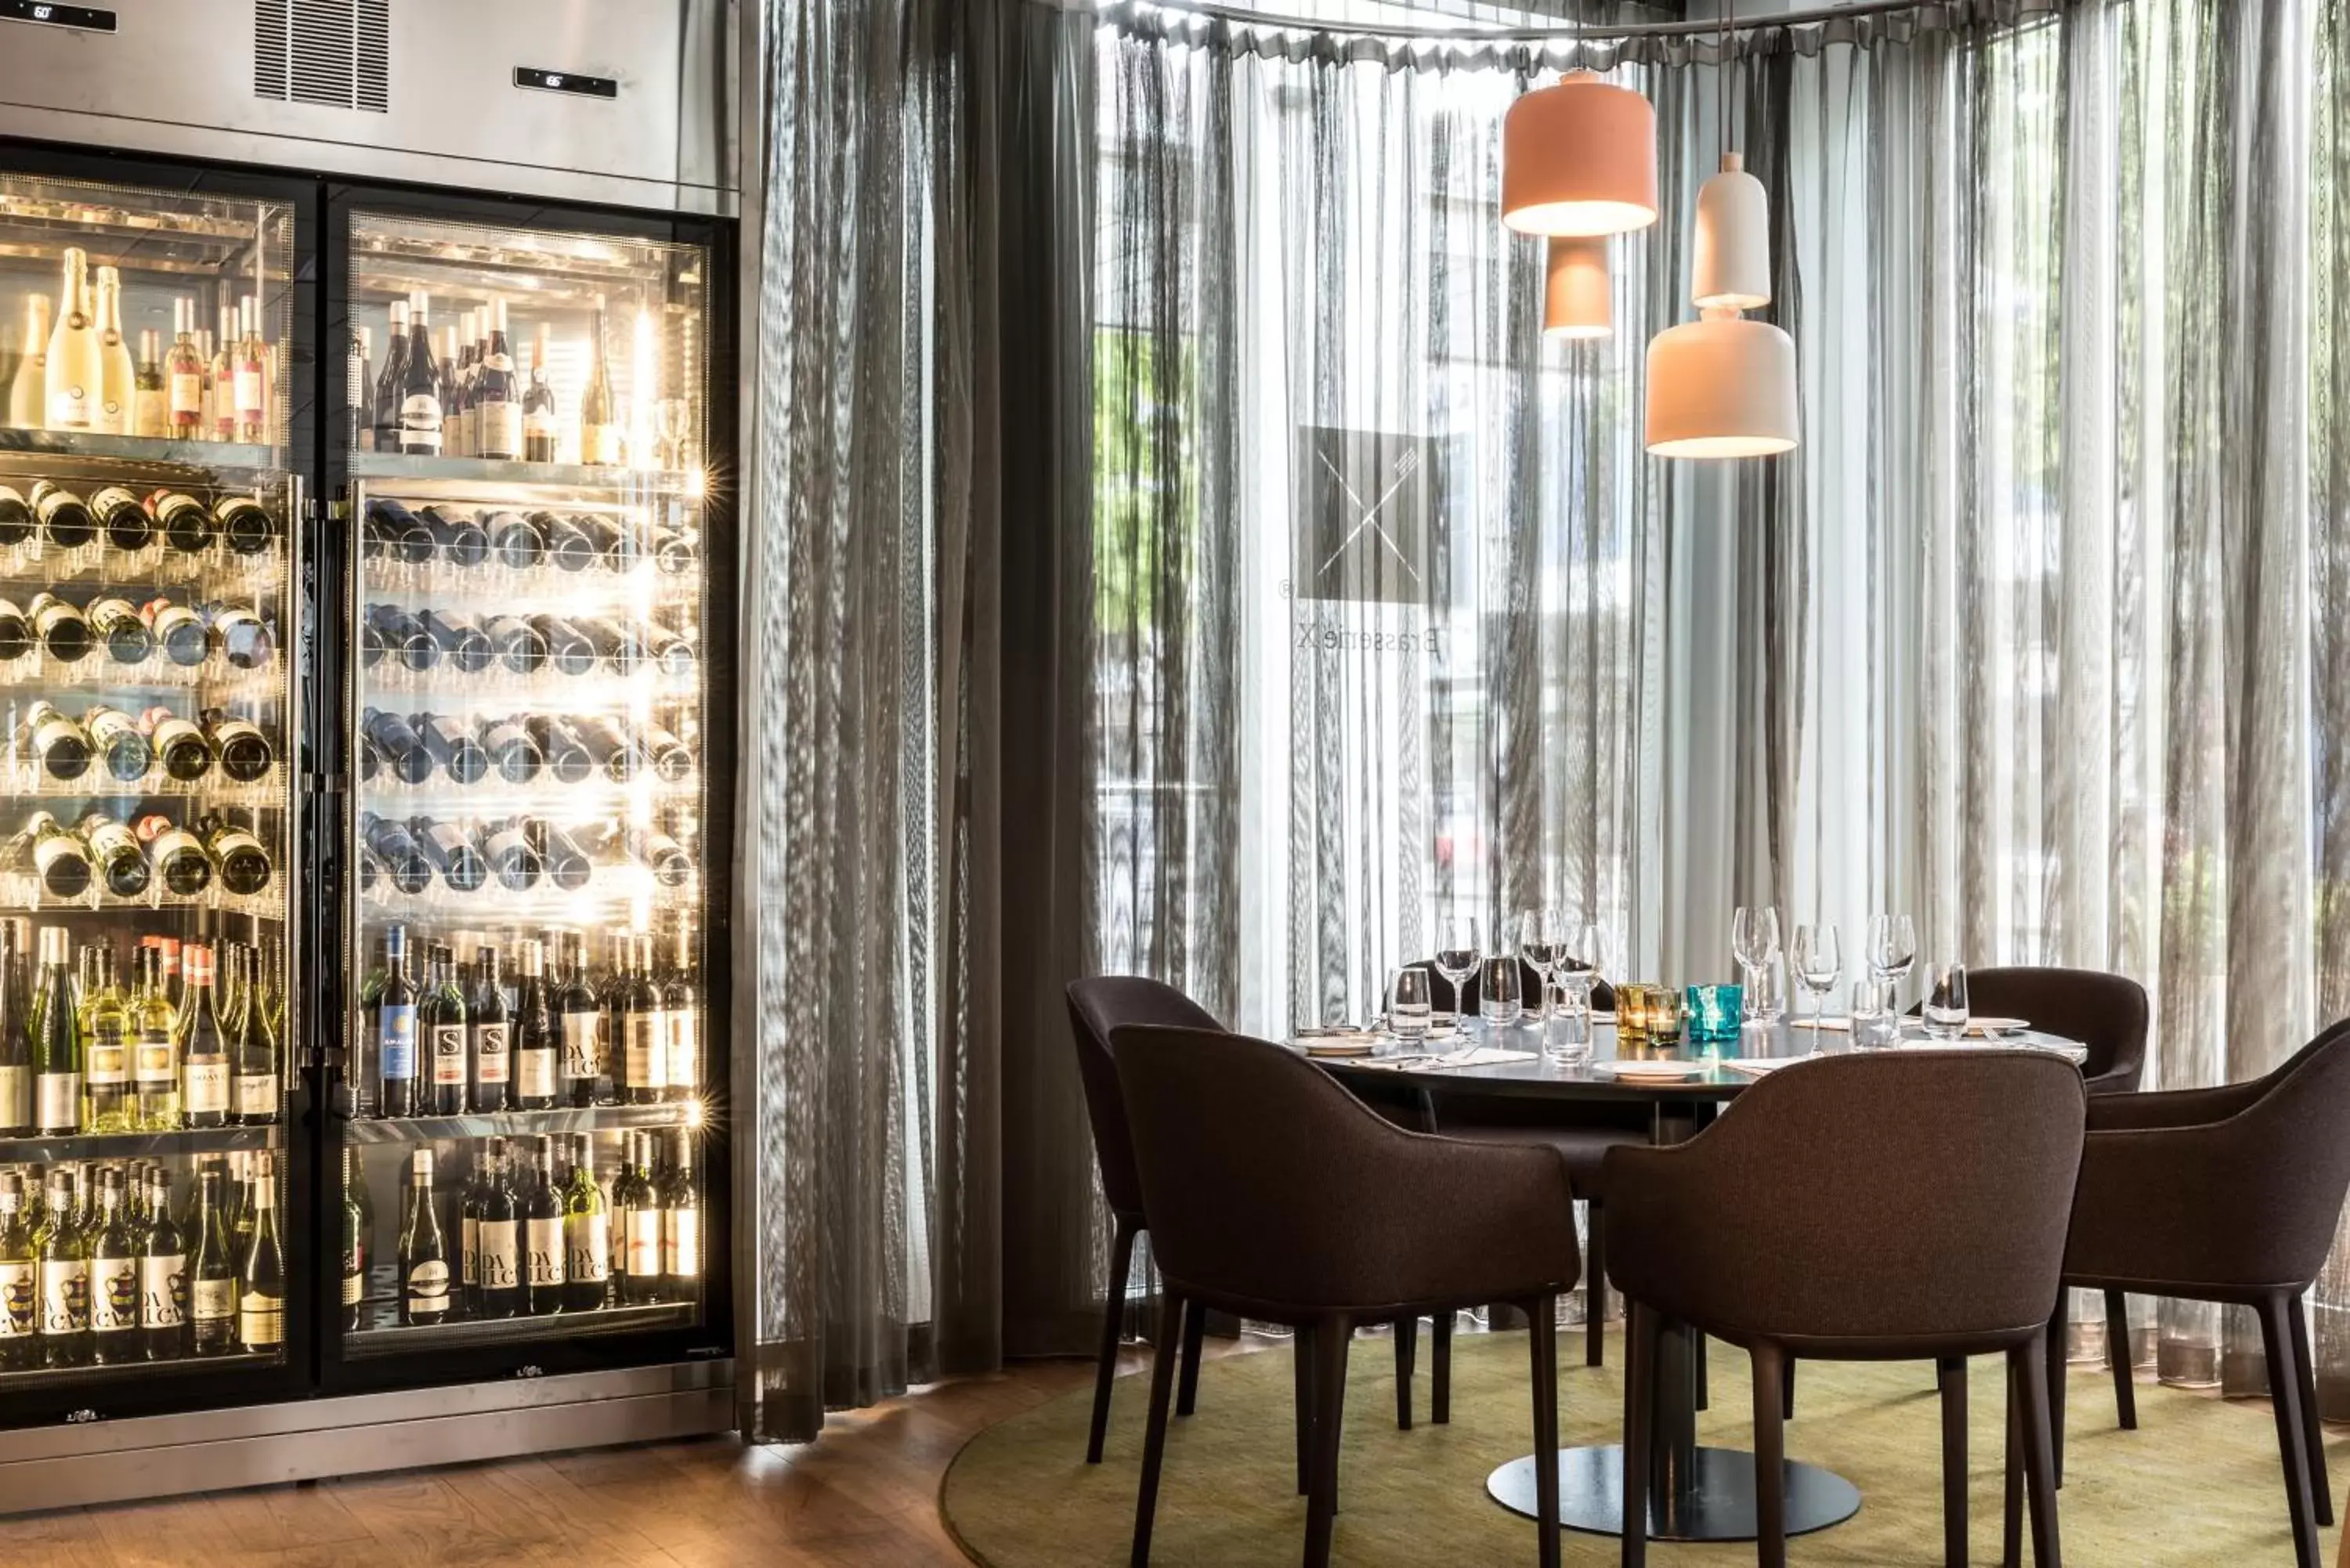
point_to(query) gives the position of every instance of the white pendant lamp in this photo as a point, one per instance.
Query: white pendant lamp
(1732, 261)
(1579, 300)
(1579, 159)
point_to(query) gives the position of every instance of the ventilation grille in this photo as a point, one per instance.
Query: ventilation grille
(331, 52)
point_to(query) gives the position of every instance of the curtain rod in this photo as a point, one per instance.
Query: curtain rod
(1567, 32)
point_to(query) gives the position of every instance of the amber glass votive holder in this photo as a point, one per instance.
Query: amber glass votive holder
(1632, 1015)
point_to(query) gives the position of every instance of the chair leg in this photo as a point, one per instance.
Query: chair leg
(1301, 1355)
(2284, 1399)
(1121, 1261)
(1788, 1388)
(1195, 1332)
(2052, 1375)
(1406, 1352)
(2118, 1351)
(2321, 1489)
(1770, 1458)
(1163, 1356)
(2011, 1539)
(1595, 1290)
(1440, 1374)
(1542, 1341)
(1331, 1338)
(1697, 1359)
(1951, 1374)
(1639, 1379)
(2039, 1450)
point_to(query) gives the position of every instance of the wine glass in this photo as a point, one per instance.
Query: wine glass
(1819, 964)
(1753, 941)
(1541, 936)
(1456, 960)
(669, 432)
(1892, 950)
(1946, 1001)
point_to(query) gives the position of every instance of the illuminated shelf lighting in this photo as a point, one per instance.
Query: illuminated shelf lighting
(520, 1124)
(393, 467)
(195, 455)
(43, 1149)
(387, 1337)
(96, 672)
(264, 793)
(20, 895)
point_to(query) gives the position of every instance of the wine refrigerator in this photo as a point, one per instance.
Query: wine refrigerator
(367, 603)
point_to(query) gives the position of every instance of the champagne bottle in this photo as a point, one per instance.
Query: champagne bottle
(498, 1279)
(261, 1282)
(588, 1233)
(73, 373)
(359, 1227)
(116, 622)
(65, 519)
(20, 1291)
(115, 855)
(205, 1068)
(497, 409)
(162, 1276)
(57, 1039)
(681, 1210)
(151, 414)
(17, 1038)
(64, 1278)
(543, 1246)
(424, 1281)
(183, 374)
(212, 1271)
(117, 379)
(29, 389)
(420, 390)
(390, 386)
(115, 1339)
(395, 1012)
(109, 1104)
(599, 417)
(155, 1045)
(542, 437)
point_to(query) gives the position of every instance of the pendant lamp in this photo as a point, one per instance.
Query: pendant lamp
(1578, 300)
(1579, 159)
(1732, 266)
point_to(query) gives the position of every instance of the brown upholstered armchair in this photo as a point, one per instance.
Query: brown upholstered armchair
(1272, 1193)
(1886, 1206)
(2105, 1013)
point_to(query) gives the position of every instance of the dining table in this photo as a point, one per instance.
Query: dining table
(1697, 1492)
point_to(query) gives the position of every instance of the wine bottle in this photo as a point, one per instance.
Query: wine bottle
(453, 747)
(63, 630)
(28, 393)
(674, 551)
(419, 402)
(582, 1019)
(637, 1210)
(205, 1068)
(459, 538)
(567, 649)
(175, 855)
(72, 373)
(405, 635)
(185, 750)
(61, 748)
(599, 417)
(513, 858)
(241, 860)
(492, 1037)
(240, 633)
(253, 1063)
(496, 401)
(542, 427)
(616, 643)
(424, 1279)
(568, 866)
(537, 1035)
(58, 857)
(671, 758)
(391, 385)
(15, 633)
(615, 750)
(244, 752)
(450, 853)
(441, 1023)
(512, 750)
(610, 545)
(359, 388)
(243, 523)
(17, 1041)
(656, 851)
(118, 373)
(122, 518)
(57, 1039)
(185, 640)
(64, 518)
(211, 1271)
(65, 1278)
(680, 1211)
(252, 372)
(395, 1033)
(543, 1248)
(221, 419)
(514, 541)
(183, 373)
(640, 1024)
(391, 842)
(116, 622)
(405, 537)
(16, 517)
(452, 397)
(358, 1226)
(586, 1233)
(186, 523)
(113, 1281)
(20, 1270)
(498, 1266)
(162, 1274)
(115, 855)
(120, 742)
(467, 647)
(261, 1282)
(110, 1104)
(564, 541)
(156, 1070)
(518, 642)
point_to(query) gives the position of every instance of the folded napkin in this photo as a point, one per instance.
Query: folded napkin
(1474, 1057)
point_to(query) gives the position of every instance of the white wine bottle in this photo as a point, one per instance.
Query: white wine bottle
(74, 375)
(118, 377)
(261, 1282)
(599, 418)
(29, 389)
(150, 401)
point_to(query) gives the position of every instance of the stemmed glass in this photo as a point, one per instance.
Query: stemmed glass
(1892, 951)
(1754, 942)
(1819, 964)
(1541, 936)
(1456, 960)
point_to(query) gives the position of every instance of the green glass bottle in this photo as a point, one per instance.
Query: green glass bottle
(57, 1039)
(65, 1278)
(20, 1269)
(586, 1233)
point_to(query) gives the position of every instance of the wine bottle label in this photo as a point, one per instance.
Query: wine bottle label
(256, 1096)
(543, 1249)
(397, 1041)
(163, 1291)
(600, 443)
(490, 1054)
(580, 1054)
(248, 390)
(260, 1320)
(187, 395)
(354, 1279)
(497, 1258)
(149, 409)
(154, 1067)
(212, 1301)
(114, 1294)
(65, 1296)
(644, 1242)
(534, 1073)
(108, 1061)
(419, 423)
(501, 429)
(58, 1098)
(589, 1237)
(20, 1299)
(647, 1053)
(428, 1289)
(685, 1050)
(681, 1243)
(469, 1250)
(449, 1053)
(52, 733)
(15, 1097)
(70, 407)
(539, 426)
(204, 1086)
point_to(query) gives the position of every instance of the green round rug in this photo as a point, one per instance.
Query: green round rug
(2197, 1484)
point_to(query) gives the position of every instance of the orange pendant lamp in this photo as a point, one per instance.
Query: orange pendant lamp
(1579, 295)
(1579, 160)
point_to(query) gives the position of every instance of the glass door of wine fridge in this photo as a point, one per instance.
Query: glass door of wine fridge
(526, 1082)
(150, 564)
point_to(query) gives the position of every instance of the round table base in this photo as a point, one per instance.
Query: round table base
(1718, 1506)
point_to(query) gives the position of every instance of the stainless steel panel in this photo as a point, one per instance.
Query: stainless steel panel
(161, 1456)
(179, 78)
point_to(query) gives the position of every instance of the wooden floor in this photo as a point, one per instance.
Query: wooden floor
(866, 1496)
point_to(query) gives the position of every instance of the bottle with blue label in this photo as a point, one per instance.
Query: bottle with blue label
(395, 1015)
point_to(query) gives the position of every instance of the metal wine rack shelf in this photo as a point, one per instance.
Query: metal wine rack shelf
(43, 1149)
(489, 474)
(387, 1337)
(184, 1365)
(193, 456)
(264, 793)
(269, 904)
(521, 1123)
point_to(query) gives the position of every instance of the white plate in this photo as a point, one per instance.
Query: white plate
(1340, 1046)
(1998, 1025)
(1653, 1072)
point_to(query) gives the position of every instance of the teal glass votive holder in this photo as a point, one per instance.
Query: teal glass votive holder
(1712, 1017)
